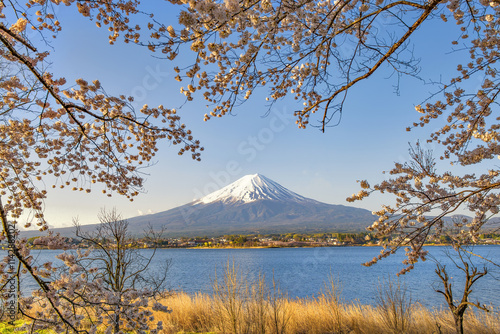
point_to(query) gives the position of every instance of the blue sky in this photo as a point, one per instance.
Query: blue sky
(322, 166)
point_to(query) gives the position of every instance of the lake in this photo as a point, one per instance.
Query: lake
(302, 272)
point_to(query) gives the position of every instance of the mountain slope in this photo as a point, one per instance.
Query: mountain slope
(252, 188)
(256, 204)
(252, 204)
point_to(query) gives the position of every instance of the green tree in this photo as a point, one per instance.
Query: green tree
(240, 240)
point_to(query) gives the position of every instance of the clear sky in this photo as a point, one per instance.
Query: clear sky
(322, 166)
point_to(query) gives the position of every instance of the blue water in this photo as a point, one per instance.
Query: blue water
(303, 272)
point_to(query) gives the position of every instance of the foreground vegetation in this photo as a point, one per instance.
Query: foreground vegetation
(242, 306)
(276, 313)
(239, 306)
(202, 313)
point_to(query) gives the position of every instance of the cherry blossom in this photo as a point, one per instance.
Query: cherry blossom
(316, 51)
(71, 136)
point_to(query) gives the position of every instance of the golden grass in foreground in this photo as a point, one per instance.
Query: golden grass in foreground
(203, 313)
(238, 306)
(275, 313)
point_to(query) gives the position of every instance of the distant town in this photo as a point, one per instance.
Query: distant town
(276, 241)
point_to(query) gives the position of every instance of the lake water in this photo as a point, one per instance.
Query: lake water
(302, 272)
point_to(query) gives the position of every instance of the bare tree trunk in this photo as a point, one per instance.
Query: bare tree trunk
(472, 274)
(117, 321)
(459, 323)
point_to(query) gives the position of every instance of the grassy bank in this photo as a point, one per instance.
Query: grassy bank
(275, 313)
(206, 314)
(240, 306)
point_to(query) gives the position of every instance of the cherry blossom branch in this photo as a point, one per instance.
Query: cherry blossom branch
(428, 9)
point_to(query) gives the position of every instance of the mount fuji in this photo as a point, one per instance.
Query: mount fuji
(252, 204)
(255, 204)
(251, 188)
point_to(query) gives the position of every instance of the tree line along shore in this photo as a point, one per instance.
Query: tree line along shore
(276, 241)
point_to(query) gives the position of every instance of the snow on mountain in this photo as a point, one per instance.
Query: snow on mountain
(251, 188)
(252, 204)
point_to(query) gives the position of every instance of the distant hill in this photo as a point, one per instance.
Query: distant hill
(252, 204)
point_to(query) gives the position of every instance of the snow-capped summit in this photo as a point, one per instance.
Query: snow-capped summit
(252, 204)
(252, 188)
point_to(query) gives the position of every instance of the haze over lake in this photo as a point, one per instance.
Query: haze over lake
(302, 272)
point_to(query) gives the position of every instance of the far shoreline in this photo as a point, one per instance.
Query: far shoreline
(316, 246)
(257, 247)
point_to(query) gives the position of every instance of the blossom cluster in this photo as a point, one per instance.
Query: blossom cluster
(425, 199)
(73, 136)
(312, 50)
(100, 289)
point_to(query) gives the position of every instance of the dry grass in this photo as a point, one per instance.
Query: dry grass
(240, 307)
(200, 314)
